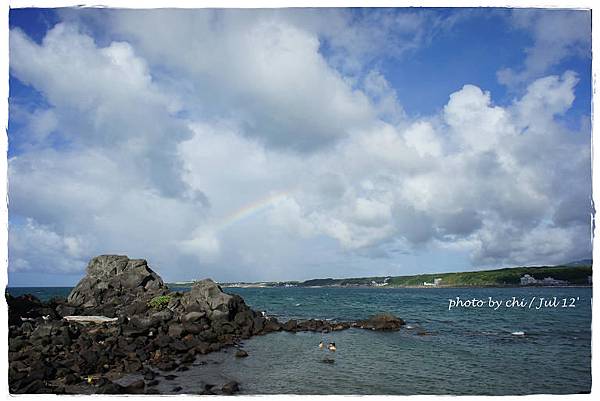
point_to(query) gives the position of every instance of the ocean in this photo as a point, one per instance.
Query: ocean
(466, 350)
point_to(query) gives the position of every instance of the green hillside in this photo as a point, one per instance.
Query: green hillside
(576, 275)
(573, 273)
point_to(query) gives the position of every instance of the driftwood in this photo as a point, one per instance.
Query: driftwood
(90, 319)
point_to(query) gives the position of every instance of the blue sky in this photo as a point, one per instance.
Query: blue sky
(352, 141)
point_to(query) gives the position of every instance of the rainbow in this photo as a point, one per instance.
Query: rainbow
(251, 209)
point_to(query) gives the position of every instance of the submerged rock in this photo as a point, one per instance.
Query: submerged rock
(241, 353)
(231, 387)
(381, 322)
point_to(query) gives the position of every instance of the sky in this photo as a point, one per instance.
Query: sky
(288, 144)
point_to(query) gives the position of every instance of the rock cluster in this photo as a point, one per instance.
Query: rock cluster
(381, 322)
(155, 331)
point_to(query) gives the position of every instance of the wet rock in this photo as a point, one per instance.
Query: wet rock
(258, 325)
(230, 388)
(189, 357)
(149, 374)
(272, 325)
(132, 366)
(290, 325)
(202, 348)
(166, 365)
(177, 389)
(340, 326)
(170, 377)
(109, 387)
(137, 387)
(381, 322)
(241, 353)
(213, 347)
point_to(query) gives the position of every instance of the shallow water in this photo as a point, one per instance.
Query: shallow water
(465, 351)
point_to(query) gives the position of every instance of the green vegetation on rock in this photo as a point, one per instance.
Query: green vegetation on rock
(159, 302)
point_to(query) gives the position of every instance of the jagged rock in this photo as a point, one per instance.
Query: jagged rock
(206, 302)
(381, 322)
(290, 325)
(272, 325)
(206, 296)
(113, 282)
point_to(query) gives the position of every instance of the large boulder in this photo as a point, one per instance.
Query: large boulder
(208, 297)
(114, 281)
(227, 313)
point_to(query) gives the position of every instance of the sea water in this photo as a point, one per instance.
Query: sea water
(442, 350)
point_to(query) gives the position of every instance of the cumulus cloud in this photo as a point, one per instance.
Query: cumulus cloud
(228, 144)
(38, 248)
(556, 34)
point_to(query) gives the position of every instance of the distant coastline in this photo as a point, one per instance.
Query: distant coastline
(574, 274)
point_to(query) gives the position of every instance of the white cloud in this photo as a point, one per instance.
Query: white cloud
(278, 83)
(556, 34)
(276, 163)
(38, 248)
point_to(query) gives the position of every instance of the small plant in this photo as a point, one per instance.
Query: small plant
(159, 302)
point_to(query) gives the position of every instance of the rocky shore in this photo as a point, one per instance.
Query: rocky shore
(121, 319)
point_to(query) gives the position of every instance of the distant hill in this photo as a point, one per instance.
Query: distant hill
(582, 262)
(573, 273)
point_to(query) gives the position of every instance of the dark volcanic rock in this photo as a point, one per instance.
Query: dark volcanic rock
(47, 354)
(28, 307)
(113, 282)
(381, 322)
(208, 297)
(241, 353)
(231, 387)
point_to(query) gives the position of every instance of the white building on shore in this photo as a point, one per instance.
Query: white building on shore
(436, 282)
(547, 281)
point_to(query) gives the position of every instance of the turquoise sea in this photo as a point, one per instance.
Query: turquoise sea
(459, 351)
